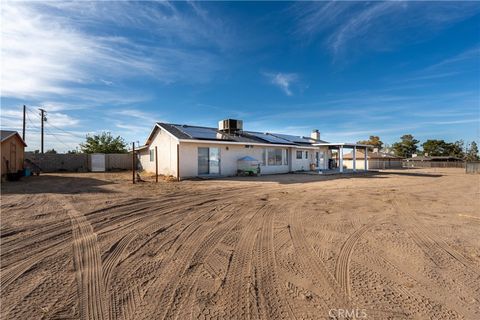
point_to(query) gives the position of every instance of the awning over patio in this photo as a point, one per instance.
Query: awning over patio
(354, 146)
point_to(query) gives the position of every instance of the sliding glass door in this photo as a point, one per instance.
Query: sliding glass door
(208, 161)
(203, 161)
(214, 161)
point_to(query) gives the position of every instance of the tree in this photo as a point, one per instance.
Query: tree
(442, 148)
(472, 152)
(373, 141)
(455, 149)
(435, 147)
(103, 143)
(406, 147)
(52, 151)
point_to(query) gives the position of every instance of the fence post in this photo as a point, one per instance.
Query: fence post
(156, 164)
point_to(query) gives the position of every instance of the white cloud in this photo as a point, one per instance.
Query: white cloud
(376, 26)
(135, 113)
(283, 80)
(49, 50)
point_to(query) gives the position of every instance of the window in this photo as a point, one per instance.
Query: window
(306, 154)
(275, 157)
(152, 155)
(299, 154)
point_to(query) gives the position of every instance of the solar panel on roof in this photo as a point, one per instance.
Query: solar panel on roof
(292, 138)
(268, 137)
(203, 133)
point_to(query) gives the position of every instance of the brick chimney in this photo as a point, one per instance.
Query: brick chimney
(315, 135)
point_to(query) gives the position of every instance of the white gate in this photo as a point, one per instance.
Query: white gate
(98, 162)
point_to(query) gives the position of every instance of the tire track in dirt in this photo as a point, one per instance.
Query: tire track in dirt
(159, 294)
(236, 289)
(458, 273)
(18, 269)
(342, 266)
(416, 292)
(116, 253)
(427, 240)
(183, 298)
(273, 302)
(93, 302)
(316, 269)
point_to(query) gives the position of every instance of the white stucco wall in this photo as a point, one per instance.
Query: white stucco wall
(228, 158)
(304, 163)
(167, 154)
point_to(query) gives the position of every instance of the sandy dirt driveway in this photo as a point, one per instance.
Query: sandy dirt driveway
(389, 245)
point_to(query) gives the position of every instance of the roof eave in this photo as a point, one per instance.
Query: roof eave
(15, 134)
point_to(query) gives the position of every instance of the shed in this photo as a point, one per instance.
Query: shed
(13, 151)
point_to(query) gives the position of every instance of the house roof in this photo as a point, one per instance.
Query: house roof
(434, 158)
(7, 134)
(371, 155)
(189, 132)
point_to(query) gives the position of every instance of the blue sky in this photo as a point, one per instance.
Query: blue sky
(349, 69)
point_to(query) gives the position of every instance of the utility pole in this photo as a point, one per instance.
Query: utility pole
(24, 112)
(43, 118)
(133, 163)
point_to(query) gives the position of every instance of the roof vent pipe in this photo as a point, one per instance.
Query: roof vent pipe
(315, 135)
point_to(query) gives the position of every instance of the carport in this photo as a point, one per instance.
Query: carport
(342, 145)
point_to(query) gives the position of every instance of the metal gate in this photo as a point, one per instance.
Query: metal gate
(98, 162)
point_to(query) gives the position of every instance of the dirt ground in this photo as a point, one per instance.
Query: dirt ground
(389, 245)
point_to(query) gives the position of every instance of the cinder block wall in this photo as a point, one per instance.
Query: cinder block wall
(59, 162)
(77, 162)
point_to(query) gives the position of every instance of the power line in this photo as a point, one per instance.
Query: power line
(55, 136)
(63, 130)
(67, 132)
(38, 129)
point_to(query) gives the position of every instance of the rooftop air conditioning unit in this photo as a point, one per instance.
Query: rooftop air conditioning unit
(230, 125)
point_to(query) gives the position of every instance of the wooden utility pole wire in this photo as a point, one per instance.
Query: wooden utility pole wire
(24, 113)
(43, 118)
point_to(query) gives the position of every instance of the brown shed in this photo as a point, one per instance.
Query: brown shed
(13, 150)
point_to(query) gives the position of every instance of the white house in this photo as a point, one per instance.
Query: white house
(189, 151)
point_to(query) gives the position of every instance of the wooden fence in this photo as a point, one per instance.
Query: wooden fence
(472, 167)
(433, 164)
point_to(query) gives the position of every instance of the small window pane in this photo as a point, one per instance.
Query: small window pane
(152, 155)
(299, 154)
